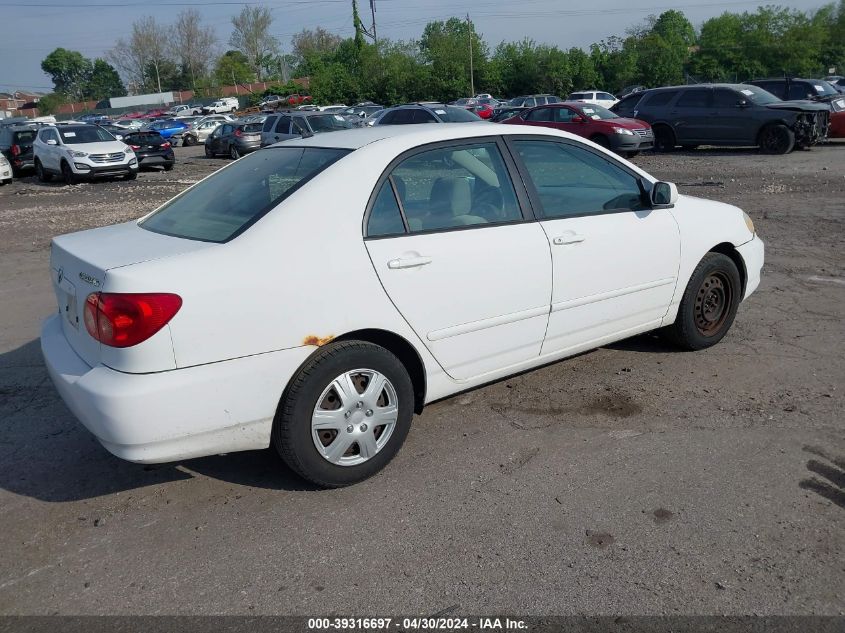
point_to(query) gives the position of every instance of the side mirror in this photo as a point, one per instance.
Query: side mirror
(51, 142)
(664, 194)
(578, 119)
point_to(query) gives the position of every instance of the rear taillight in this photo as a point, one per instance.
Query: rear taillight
(165, 145)
(124, 320)
(239, 132)
(135, 146)
(16, 150)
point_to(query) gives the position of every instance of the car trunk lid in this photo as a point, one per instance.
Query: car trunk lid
(79, 264)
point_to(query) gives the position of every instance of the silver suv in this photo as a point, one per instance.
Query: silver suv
(81, 151)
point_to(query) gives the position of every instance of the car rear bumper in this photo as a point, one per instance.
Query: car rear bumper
(753, 255)
(172, 415)
(164, 158)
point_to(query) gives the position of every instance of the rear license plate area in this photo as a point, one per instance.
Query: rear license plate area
(67, 303)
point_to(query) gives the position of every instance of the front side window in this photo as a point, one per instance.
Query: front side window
(724, 98)
(456, 186)
(571, 181)
(232, 199)
(563, 114)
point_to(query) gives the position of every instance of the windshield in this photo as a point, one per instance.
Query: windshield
(517, 101)
(253, 127)
(598, 112)
(757, 95)
(328, 122)
(83, 134)
(824, 88)
(231, 200)
(456, 115)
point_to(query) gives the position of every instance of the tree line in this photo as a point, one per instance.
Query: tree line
(661, 50)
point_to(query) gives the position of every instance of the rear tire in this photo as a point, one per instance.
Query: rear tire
(132, 175)
(631, 154)
(709, 304)
(168, 167)
(332, 436)
(208, 152)
(234, 154)
(664, 138)
(42, 174)
(776, 139)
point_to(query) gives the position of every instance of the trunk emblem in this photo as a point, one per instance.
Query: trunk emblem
(61, 274)
(88, 278)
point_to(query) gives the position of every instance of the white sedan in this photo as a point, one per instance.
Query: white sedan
(596, 97)
(315, 294)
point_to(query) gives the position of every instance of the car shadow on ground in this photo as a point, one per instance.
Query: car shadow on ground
(650, 343)
(46, 454)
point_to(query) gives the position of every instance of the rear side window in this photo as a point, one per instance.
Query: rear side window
(658, 99)
(268, 123)
(231, 200)
(385, 216)
(423, 116)
(456, 115)
(552, 100)
(696, 98)
(23, 138)
(283, 125)
(455, 186)
(605, 96)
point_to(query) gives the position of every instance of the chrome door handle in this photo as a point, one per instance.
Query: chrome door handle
(568, 238)
(408, 262)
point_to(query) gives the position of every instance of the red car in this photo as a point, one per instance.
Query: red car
(600, 125)
(485, 110)
(297, 100)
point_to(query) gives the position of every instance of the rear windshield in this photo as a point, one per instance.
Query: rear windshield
(328, 122)
(253, 127)
(231, 200)
(25, 137)
(144, 137)
(456, 115)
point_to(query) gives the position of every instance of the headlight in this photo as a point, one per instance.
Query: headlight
(128, 150)
(76, 154)
(749, 222)
(622, 130)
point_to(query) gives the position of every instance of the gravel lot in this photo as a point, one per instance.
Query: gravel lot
(631, 479)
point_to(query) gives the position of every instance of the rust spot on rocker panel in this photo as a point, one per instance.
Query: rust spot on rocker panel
(319, 341)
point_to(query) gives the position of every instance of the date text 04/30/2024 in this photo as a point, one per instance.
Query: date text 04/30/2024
(419, 623)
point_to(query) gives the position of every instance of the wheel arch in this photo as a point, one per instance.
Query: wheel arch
(728, 249)
(403, 350)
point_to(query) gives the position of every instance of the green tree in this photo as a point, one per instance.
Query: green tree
(446, 47)
(251, 36)
(49, 104)
(233, 66)
(69, 70)
(104, 82)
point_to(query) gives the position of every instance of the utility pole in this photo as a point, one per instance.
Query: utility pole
(373, 13)
(471, 78)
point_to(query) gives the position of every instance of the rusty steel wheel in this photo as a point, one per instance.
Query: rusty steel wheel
(709, 304)
(712, 303)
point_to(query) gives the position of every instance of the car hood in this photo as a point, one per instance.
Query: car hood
(106, 147)
(807, 106)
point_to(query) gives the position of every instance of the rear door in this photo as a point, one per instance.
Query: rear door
(449, 238)
(691, 117)
(614, 260)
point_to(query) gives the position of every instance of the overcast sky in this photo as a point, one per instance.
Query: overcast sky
(31, 29)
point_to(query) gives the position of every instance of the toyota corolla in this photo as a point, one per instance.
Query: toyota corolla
(316, 294)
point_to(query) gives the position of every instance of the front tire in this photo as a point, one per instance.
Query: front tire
(41, 173)
(776, 139)
(188, 140)
(345, 414)
(709, 304)
(208, 152)
(68, 175)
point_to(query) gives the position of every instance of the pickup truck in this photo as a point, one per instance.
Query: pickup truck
(185, 110)
(229, 104)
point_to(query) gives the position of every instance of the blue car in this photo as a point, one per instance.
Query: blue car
(169, 128)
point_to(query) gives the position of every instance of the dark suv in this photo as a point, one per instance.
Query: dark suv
(16, 146)
(812, 90)
(728, 114)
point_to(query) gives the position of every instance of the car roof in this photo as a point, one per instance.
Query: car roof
(415, 135)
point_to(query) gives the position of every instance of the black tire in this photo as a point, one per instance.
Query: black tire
(42, 174)
(188, 140)
(709, 304)
(631, 154)
(68, 175)
(776, 139)
(664, 138)
(600, 139)
(689, 148)
(168, 167)
(234, 154)
(292, 431)
(208, 152)
(132, 175)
